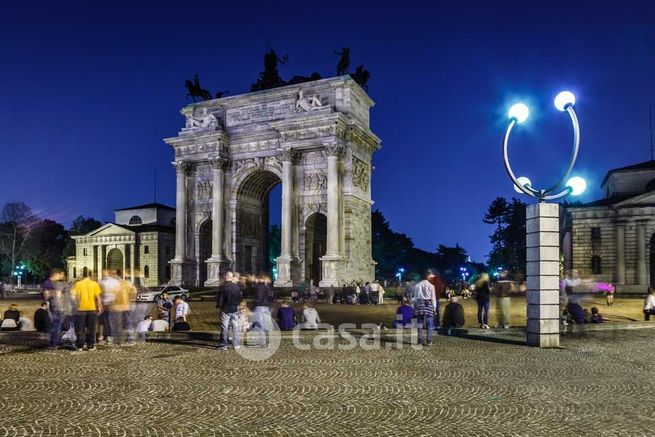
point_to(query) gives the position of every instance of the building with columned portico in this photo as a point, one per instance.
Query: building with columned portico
(613, 239)
(313, 138)
(137, 246)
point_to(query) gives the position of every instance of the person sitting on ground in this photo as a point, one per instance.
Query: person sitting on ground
(244, 317)
(11, 319)
(404, 315)
(575, 312)
(295, 296)
(310, 318)
(42, 318)
(649, 304)
(181, 325)
(285, 317)
(143, 327)
(596, 317)
(160, 325)
(453, 315)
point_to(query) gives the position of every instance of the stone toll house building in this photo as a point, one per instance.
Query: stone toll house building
(613, 239)
(138, 246)
(313, 138)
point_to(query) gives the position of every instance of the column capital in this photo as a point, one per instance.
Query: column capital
(218, 162)
(335, 149)
(181, 166)
(288, 155)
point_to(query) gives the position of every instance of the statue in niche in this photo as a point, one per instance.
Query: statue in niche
(344, 61)
(195, 90)
(309, 103)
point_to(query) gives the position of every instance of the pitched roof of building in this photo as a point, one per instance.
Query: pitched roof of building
(646, 165)
(147, 206)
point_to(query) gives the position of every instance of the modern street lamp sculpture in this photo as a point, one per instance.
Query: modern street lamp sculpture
(542, 230)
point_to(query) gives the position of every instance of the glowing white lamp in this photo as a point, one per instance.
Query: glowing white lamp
(577, 185)
(519, 112)
(524, 182)
(564, 99)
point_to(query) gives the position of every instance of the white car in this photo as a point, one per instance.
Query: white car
(154, 294)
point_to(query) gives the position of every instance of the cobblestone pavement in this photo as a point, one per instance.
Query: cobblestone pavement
(599, 384)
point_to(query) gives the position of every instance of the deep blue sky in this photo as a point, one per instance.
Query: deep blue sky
(87, 92)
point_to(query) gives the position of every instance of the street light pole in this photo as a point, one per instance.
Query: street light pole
(542, 230)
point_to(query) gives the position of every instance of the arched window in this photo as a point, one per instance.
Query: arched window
(135, 220)
(85, 272)
(74, 272)
(596, 268)
(146, 272)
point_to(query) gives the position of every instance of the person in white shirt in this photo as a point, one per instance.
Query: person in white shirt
(159, 325)
(181, 309)
(425, 304)
(143, 327)
(649, 304)
(310, 318)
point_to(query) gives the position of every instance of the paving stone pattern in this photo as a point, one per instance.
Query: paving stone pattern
(601, 384)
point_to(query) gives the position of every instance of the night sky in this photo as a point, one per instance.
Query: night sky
(88, 91)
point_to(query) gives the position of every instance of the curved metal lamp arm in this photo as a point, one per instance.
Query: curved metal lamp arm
(576, 147)
(526, 189)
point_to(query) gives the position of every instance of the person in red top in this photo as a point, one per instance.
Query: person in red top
(439, 288)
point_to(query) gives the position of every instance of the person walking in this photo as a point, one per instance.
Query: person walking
(482, 296)
(649, 304)
(121, 314)
(229, 298)
(53, 292)
(109, 284)
(439, 287)
(503, 291)
(86, 295)
(263, 301)
(425, 303)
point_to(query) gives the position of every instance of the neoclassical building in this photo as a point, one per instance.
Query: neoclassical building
(138, 246)
(613, 239)
(314, 139)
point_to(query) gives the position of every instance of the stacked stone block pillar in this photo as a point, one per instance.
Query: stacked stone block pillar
(542, 243)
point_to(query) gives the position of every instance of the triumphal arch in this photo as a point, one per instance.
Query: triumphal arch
(313, 138)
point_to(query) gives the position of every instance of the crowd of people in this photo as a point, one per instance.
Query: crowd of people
(89, 311)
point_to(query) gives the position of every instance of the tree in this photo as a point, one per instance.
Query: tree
(450, 260)
(45, 247)
(390, 249)
(274, 245)
(508, 239)
(80, 226)
(16, 224)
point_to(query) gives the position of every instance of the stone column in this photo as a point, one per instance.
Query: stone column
(542, 242)
(124, 259)
(286, 261)
(178, 264)
(99, 261)
(641, 253)
(620, 253)
(333, 256)
(216, 261)
(132, 262)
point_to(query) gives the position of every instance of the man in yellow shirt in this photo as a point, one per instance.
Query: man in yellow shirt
(87, 303)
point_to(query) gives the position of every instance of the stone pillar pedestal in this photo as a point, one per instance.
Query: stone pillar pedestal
(542, 244)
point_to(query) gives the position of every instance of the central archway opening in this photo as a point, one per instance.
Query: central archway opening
(115, 262)
(258, 223)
